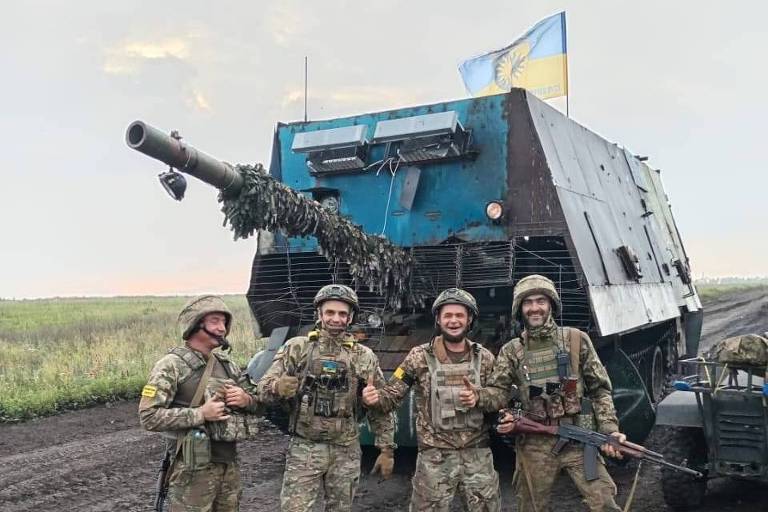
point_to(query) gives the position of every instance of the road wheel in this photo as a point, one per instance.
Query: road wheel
(683, 444)
(657, 375)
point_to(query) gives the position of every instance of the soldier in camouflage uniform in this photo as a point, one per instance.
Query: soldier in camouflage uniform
(321, 374)
(454, 454)
(554, 368)
(224, 417)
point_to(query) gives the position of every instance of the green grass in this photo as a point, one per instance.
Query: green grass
(60, 354)
(708, 292)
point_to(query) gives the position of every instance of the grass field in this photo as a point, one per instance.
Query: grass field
(708, 292)
(57, 354)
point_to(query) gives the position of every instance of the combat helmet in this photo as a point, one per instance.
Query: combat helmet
(196, 309)
(337, 292)
(531, 285)
(456, 296)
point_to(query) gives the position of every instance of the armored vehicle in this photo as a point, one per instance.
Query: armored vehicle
(716, 420)
(474, 193)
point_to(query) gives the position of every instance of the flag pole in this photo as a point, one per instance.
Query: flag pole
(305, 88)
(567, 81)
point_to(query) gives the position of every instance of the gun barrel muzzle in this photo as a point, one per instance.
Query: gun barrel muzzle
(181, 156)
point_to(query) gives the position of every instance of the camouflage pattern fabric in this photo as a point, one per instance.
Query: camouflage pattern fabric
(441, 473)
(196, 309)
(164, 407)
(311, 467)
(510, 369)
(534, 458)
(265, 203)
(214, 488)
(156, 410)
(414, 370)
(746, 350)
(291, 359)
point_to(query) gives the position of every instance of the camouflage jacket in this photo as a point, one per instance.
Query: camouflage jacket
(414, 371)
(161, 409)
(509, 371)
(291, 359)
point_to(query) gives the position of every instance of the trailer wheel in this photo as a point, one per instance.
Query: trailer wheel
(681, 491)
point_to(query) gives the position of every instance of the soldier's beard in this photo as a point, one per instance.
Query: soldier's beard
(448, 338)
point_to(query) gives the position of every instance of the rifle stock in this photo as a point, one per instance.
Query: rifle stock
(161, 487)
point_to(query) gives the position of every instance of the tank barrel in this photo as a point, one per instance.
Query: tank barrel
(181, 156)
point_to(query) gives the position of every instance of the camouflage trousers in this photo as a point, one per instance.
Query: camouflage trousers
(213, 488)
(537, 469)
(441, 472)
(313, 466)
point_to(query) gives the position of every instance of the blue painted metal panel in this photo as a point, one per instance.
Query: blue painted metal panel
(451, 196)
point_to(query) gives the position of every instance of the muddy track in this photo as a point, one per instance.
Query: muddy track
(100, 459)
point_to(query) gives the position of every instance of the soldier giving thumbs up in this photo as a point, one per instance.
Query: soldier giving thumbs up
(385, 462)
(370, 393)
(468, 395)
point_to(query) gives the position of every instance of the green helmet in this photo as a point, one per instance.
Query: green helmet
(535, 284)
(196, 309)
(455, 296)
(337, 292)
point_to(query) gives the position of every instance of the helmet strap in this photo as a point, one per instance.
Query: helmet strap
(221, 340)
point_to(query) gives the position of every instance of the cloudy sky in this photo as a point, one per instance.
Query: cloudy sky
(80, 214)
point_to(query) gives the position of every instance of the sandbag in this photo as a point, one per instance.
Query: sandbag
(746, 350)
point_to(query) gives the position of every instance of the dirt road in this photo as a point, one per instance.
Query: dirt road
(99, 459)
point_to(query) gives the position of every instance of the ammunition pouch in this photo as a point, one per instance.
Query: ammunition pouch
(196, 449)
(447, 381)
(238, 427)
(327, 401)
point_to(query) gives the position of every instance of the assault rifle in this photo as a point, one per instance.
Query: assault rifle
(592, 441)
(161, 488)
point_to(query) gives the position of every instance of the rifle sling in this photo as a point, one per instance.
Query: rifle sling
(574, 342)
(196, 400)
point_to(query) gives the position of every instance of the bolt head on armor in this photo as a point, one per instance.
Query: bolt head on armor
(456, 296)
(337, 292)
(196, 309)
(532, 285)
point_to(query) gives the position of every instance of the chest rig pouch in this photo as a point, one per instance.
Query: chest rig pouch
(446, 381)
(327, 395)
(552, 384)
(330, 388)
(240, 426)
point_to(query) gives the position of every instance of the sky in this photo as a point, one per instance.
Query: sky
(81, 214)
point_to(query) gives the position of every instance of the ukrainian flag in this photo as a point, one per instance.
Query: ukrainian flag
(537, 61)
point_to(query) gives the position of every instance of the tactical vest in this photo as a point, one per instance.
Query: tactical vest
(185, 389)
(327, 399)
(239, 426)
(446, 381)
(546, 391)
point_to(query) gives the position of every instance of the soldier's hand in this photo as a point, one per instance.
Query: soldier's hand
(287, 386)
(370, 394)
(468, 396)
(385, 463)
(612, 451)
(214, 410)
(235, 396)
(506, 424)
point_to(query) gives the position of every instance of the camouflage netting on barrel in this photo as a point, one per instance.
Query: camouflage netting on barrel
(265, 203)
